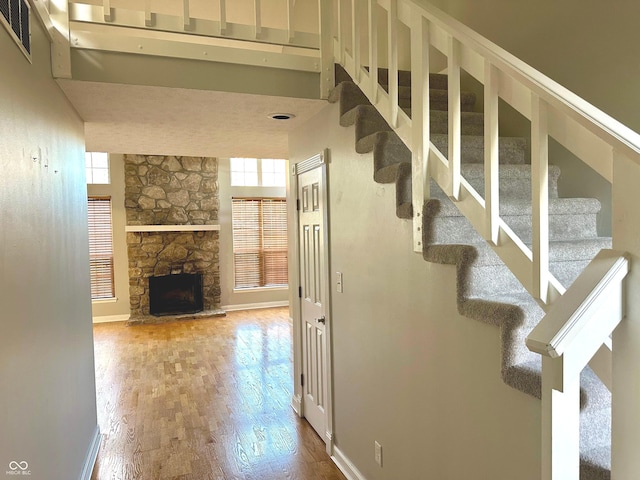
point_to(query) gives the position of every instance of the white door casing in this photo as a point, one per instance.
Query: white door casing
(314, 311)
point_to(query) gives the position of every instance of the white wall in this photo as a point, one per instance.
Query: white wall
(231, 299)
(119, 307)
(409, 371)
(47, 379)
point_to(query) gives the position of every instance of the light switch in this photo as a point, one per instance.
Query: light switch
(339, 282)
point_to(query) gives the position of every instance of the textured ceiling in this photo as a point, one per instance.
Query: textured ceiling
(176, 121)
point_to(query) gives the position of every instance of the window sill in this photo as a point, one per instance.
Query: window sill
(261, 289)
(105, 300)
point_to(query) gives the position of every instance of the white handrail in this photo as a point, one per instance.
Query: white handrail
(569, 323)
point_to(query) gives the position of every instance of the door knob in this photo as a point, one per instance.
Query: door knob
(320, 320)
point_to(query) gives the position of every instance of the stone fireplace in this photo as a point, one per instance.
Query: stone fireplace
(172, 214)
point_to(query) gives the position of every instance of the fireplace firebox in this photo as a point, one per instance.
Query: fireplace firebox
(175, 294)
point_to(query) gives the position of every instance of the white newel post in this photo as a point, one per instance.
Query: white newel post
(625, 456)
(560, 422)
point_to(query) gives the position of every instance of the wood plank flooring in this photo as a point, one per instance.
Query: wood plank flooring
(203, 399)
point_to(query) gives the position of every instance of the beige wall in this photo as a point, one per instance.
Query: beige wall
(47, 379)
(409, 371)
(588, 46)
(114, 67)
(118, 308)
(236, 299)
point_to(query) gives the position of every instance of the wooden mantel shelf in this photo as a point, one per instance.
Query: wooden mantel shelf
(171, 228)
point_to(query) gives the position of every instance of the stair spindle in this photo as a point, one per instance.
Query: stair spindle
(540, 196)
(454, 116)
(420, 108)
(355, 37)
(223, 17)
(186, 16)
(373, 48)
(392, 41)
(106, 5)
(257, 18)
(491, 150)
(148, 15)
(290, 27)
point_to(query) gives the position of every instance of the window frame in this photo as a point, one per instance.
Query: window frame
(102, 233)
(90, 169)
(259, 173)
(263, 252)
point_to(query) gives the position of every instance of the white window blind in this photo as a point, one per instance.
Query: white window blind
(101, 248)
(259, 242)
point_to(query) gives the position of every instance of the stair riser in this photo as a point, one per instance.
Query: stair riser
(471, 123)
(567, 272)
(444, 230)
(368, 124)
(511, 151)
(514, 186)
(441, 102)
(404, 207)
(487, 280)
(437, 81)
(438, 99)
(351, 97)
(386, 155)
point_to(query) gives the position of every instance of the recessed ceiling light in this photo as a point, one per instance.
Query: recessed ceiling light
(281, 116)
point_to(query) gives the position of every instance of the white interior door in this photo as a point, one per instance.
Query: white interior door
(313, 279)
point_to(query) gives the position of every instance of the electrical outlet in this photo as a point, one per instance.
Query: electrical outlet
(378, 453)
(339, 282)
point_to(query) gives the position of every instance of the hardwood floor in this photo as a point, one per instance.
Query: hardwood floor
(203, 399)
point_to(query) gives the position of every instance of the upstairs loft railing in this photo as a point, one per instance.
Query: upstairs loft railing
(596, 139)
(269, 33)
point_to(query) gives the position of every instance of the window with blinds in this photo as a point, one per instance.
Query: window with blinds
(260, 242)
(101, 248)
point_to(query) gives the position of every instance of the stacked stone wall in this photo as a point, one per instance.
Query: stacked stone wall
(167, 190)
(171, 190)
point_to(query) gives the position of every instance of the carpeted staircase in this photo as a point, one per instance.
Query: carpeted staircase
(487, 291)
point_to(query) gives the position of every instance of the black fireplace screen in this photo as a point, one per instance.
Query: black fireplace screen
(174, 294)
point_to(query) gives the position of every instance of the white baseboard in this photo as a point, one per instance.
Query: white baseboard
(296, 404)
(255, 306)
(92, 455)
(111, 318)
(346, 467)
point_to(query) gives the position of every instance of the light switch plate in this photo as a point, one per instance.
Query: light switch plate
(339, 282)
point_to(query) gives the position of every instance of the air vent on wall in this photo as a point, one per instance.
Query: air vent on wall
(15, 18)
